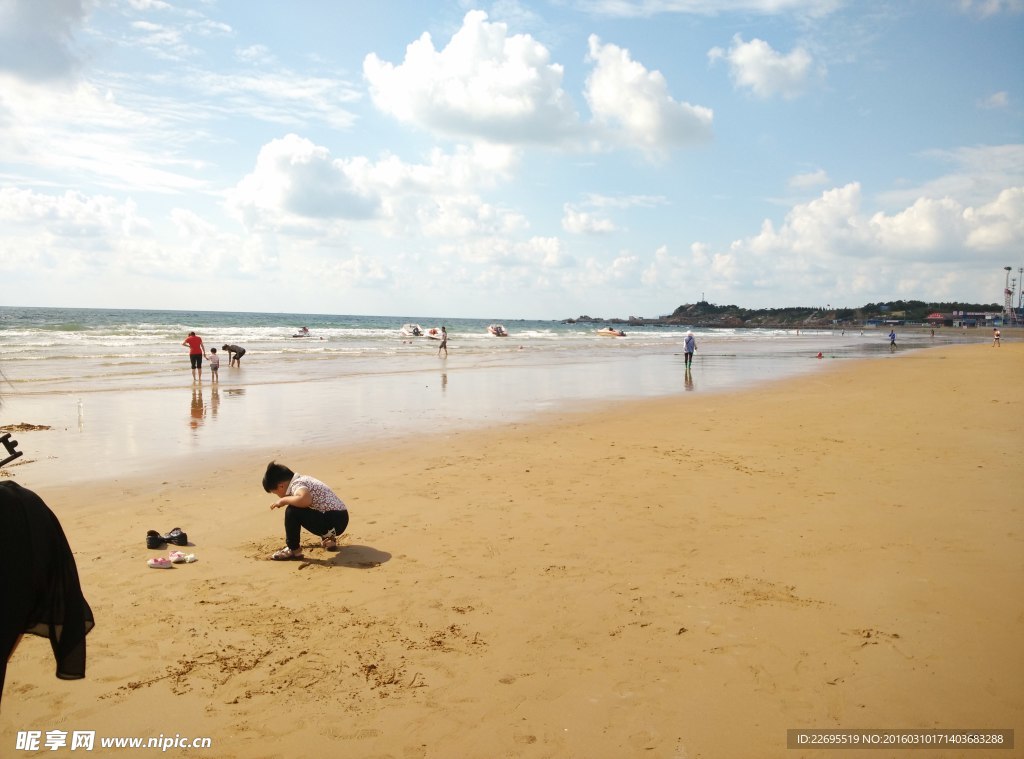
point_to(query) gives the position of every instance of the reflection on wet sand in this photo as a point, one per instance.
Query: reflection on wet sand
(688, 380)
(138, 426)
(198, 410)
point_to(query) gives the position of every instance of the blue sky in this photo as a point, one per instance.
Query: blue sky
(512, 159)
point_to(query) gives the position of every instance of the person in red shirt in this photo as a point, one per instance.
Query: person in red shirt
(196, 351)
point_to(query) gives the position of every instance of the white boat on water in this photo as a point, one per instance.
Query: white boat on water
(411, 330)
(434, 333)
(498, 330)
(611, 332)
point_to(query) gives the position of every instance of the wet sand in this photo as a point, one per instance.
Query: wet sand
(686, 576)
(144, 427)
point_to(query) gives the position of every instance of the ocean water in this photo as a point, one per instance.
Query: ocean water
(114, 387)
(47, 349)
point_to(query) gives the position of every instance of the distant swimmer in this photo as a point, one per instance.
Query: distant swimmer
(235, 354)
(995, 337)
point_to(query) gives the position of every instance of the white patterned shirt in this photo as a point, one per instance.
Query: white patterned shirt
(324, 498)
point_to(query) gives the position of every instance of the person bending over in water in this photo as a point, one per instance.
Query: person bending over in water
(234, 355)
(308, 503)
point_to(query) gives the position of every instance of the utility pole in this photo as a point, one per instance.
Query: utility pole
(1009, 315)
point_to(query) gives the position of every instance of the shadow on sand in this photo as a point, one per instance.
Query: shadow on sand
(353, 557)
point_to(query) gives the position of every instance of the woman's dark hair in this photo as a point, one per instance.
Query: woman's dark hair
(276, 474)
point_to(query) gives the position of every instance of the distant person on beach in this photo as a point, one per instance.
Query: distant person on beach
(689, 346)
(995, 337)
(196, 351)
(235, 354)
(214, 365)
(892, 339)
(308, 503)
(444, 342)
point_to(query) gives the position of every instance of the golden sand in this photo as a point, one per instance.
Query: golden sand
(683, 577)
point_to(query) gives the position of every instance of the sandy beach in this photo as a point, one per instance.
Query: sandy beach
(672, 577)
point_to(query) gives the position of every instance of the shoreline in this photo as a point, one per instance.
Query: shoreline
(148, 428)
(682, 576)
(149, 417)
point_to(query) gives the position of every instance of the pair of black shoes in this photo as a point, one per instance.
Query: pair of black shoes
(175, 537)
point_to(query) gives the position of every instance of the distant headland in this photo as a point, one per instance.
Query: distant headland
(899, 312)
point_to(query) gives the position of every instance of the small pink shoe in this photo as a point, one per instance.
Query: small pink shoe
(160, 562)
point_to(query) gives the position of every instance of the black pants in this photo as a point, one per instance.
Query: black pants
(317, 522)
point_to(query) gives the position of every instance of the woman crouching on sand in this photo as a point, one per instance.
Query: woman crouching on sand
(307, 503)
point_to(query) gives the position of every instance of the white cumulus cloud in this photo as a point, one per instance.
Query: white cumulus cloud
(809, 179)
(833, 245)
(298, 188)
(295, 182)
(757, 67)
(998, 225)
(635, 104)
(580, 222)
(484, 84)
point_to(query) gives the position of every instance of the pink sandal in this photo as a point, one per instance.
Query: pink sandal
(159, 562)
(286, 554)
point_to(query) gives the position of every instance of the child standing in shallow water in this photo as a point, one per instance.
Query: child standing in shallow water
(214, 364)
